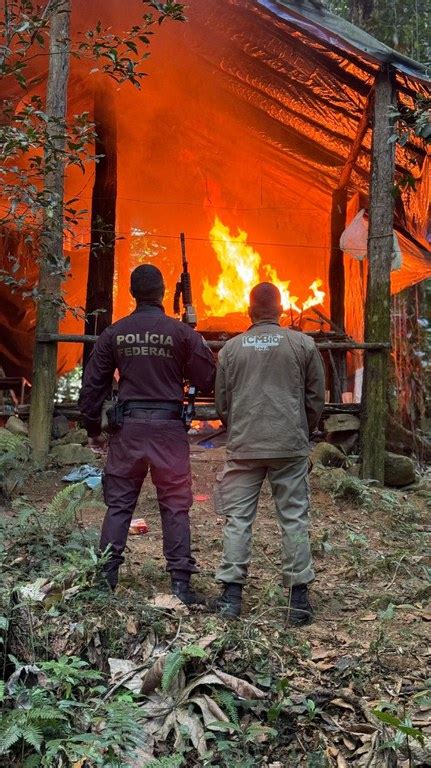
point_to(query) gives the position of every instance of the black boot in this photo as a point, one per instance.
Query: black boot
(107, 583)
(185, 593)
(300, 609)
(228, 604)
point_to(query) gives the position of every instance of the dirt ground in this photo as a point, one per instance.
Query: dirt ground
(372, 562)
(370, 641)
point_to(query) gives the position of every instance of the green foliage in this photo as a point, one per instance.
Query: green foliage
(401, 24)
(352, 490)
(28, 726)
(173, 665)
(62, 725)
(402, 726)
(14, 445)
(68, 673)
(227, 703)
(173, 761)
(62, 510)
(14, 458)
(177, 660)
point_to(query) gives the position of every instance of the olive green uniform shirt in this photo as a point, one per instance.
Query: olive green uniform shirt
(269, 392)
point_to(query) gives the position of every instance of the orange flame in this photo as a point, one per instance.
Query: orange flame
(240, 271)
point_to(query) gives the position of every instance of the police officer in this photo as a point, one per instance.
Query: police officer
(153, 354)
(269, 393)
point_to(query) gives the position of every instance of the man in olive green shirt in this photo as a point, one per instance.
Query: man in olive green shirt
(270, 391)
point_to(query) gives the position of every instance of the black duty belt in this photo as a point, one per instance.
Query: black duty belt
(142, 409)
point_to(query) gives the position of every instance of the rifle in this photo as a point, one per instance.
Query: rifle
(184, 289)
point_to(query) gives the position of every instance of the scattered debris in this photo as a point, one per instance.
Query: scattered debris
(91, 476)
(138, 527)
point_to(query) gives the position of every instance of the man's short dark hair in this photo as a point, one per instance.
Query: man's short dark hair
(146, 283)
(265, 301)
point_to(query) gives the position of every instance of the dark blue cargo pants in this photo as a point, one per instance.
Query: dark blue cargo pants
(158, 445)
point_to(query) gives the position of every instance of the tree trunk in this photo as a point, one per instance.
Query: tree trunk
(377, 308)
(52, 258)
(100, 281)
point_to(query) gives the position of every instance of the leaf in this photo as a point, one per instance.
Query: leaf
(33, 735)
(8, 737)
(119, 668)
(170, 603)
(343, 704)
(194, 727)
(174, 662)
(211, 712)
(400, 725)
(153, 677)
(131, 626)
(242, 688)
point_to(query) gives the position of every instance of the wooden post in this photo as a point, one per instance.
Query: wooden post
(336, 286)
(336, 263)
(52, 259)
(377, 308)
(100, 279)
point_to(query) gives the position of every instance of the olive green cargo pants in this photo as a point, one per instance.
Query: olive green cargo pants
(236, 496)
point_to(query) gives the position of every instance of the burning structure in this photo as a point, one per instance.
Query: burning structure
(251, 134)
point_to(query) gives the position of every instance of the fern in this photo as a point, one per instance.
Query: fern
(66, 500)
(177, 660)
(33, 736)
(227, 702)
(9, 735)
(32, 761)
(174, 761)
(194, 652)
(14, 446)
(173, 665)
(61, 512)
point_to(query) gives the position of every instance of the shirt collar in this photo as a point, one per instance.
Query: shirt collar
(264, 322)
(150, 307)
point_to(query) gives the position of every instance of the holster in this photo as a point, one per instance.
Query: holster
(115, 417)
(189, 411)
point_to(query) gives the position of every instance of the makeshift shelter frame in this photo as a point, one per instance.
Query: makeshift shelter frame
(347, 43)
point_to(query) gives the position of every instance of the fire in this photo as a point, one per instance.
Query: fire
(241, 270)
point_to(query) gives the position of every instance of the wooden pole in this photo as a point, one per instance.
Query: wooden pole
(336, 286)
(377, 308)
(100, 280)
(336, 263)
(51, 270)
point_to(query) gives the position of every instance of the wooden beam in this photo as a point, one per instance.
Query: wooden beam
(377, 308)
(52, 265)
(100, 280)
(334, 345)
(355, 149)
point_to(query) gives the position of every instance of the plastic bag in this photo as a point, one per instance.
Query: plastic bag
(354, 241)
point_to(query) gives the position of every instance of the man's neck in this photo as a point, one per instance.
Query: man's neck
(146, 304)
(262, 320)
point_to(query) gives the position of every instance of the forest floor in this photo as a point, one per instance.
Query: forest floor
(351, 689)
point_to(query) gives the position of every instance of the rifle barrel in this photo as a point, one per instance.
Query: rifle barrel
(183, 251)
